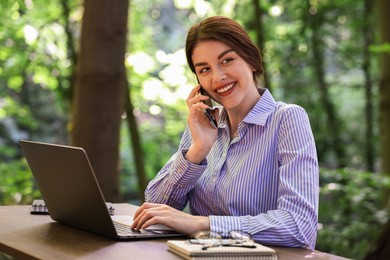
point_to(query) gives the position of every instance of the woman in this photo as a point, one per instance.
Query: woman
(257, 172)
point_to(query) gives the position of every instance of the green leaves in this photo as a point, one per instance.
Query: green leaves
(17, 184)
(380, 48)
(351, 211)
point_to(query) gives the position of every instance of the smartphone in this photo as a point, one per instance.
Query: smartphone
(210, 116)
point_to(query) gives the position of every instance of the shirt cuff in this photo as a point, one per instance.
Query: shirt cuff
(225, 224)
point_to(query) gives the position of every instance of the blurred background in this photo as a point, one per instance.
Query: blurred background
(111, 76)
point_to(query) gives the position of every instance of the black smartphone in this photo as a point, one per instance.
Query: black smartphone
(210, 116)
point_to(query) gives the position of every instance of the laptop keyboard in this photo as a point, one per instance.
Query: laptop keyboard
(123, 229)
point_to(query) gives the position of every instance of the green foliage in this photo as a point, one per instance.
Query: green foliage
(17, 184)
(351, 211)
(34, 74)
(380, 48)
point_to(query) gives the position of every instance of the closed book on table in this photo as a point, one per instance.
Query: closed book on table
(188, 250)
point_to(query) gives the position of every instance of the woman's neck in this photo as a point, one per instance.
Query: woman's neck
(236, 115)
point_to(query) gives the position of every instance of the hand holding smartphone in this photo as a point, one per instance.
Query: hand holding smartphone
(210, 116)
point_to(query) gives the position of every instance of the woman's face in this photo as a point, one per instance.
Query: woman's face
(224, 75)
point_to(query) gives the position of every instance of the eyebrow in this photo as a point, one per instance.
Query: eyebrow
(218, 57)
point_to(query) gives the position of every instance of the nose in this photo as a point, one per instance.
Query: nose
(218, 75)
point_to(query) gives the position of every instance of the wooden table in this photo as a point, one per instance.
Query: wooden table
(27, 236)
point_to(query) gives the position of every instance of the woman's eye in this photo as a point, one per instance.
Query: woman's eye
(227, 60)
(203, 70)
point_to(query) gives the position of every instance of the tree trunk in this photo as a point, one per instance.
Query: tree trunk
(100, 89)
(136, 146)
(71, 51)
(367, 41)
(333, 122)
(381, 248)
(259, 28)
(384, 87)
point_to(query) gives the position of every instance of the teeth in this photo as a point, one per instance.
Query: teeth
(221, 90)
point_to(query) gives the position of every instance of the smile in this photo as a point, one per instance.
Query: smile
(226, 88)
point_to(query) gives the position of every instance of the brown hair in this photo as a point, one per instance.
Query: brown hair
(229, 32)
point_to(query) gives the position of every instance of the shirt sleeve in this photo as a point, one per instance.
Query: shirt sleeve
(294, 221)
(176, 179)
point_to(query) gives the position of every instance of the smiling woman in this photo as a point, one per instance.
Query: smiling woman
(256, 173)
(221, 71)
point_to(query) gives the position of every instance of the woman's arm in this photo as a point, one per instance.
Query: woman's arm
(180, 174)
(176, 178)
(151, 213)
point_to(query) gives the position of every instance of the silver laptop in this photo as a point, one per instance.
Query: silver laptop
(72, 194)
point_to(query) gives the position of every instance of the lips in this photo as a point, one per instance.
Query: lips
(225, 89)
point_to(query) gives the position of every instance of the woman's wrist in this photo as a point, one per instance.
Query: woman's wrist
(203, 224)
(195, 155)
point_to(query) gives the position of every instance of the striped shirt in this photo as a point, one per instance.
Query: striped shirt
(263, 182)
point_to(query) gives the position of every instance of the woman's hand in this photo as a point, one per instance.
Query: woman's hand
(203, 134)
(151, 214)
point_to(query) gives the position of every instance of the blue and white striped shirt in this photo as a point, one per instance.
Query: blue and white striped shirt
(263, 182)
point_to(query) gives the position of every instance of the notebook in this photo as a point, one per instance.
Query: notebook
(72, 194)
(187, 250)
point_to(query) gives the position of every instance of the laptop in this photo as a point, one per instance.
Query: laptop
(72, 195)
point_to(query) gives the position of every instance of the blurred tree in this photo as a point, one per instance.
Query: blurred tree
(100, 88)
(381, 247)
(34, 69)
(136, 144)
(315, 20)
(260, 35)
(384, 88)
(368, 84)
(67, 93)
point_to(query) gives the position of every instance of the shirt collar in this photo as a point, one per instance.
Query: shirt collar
(259, 113)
